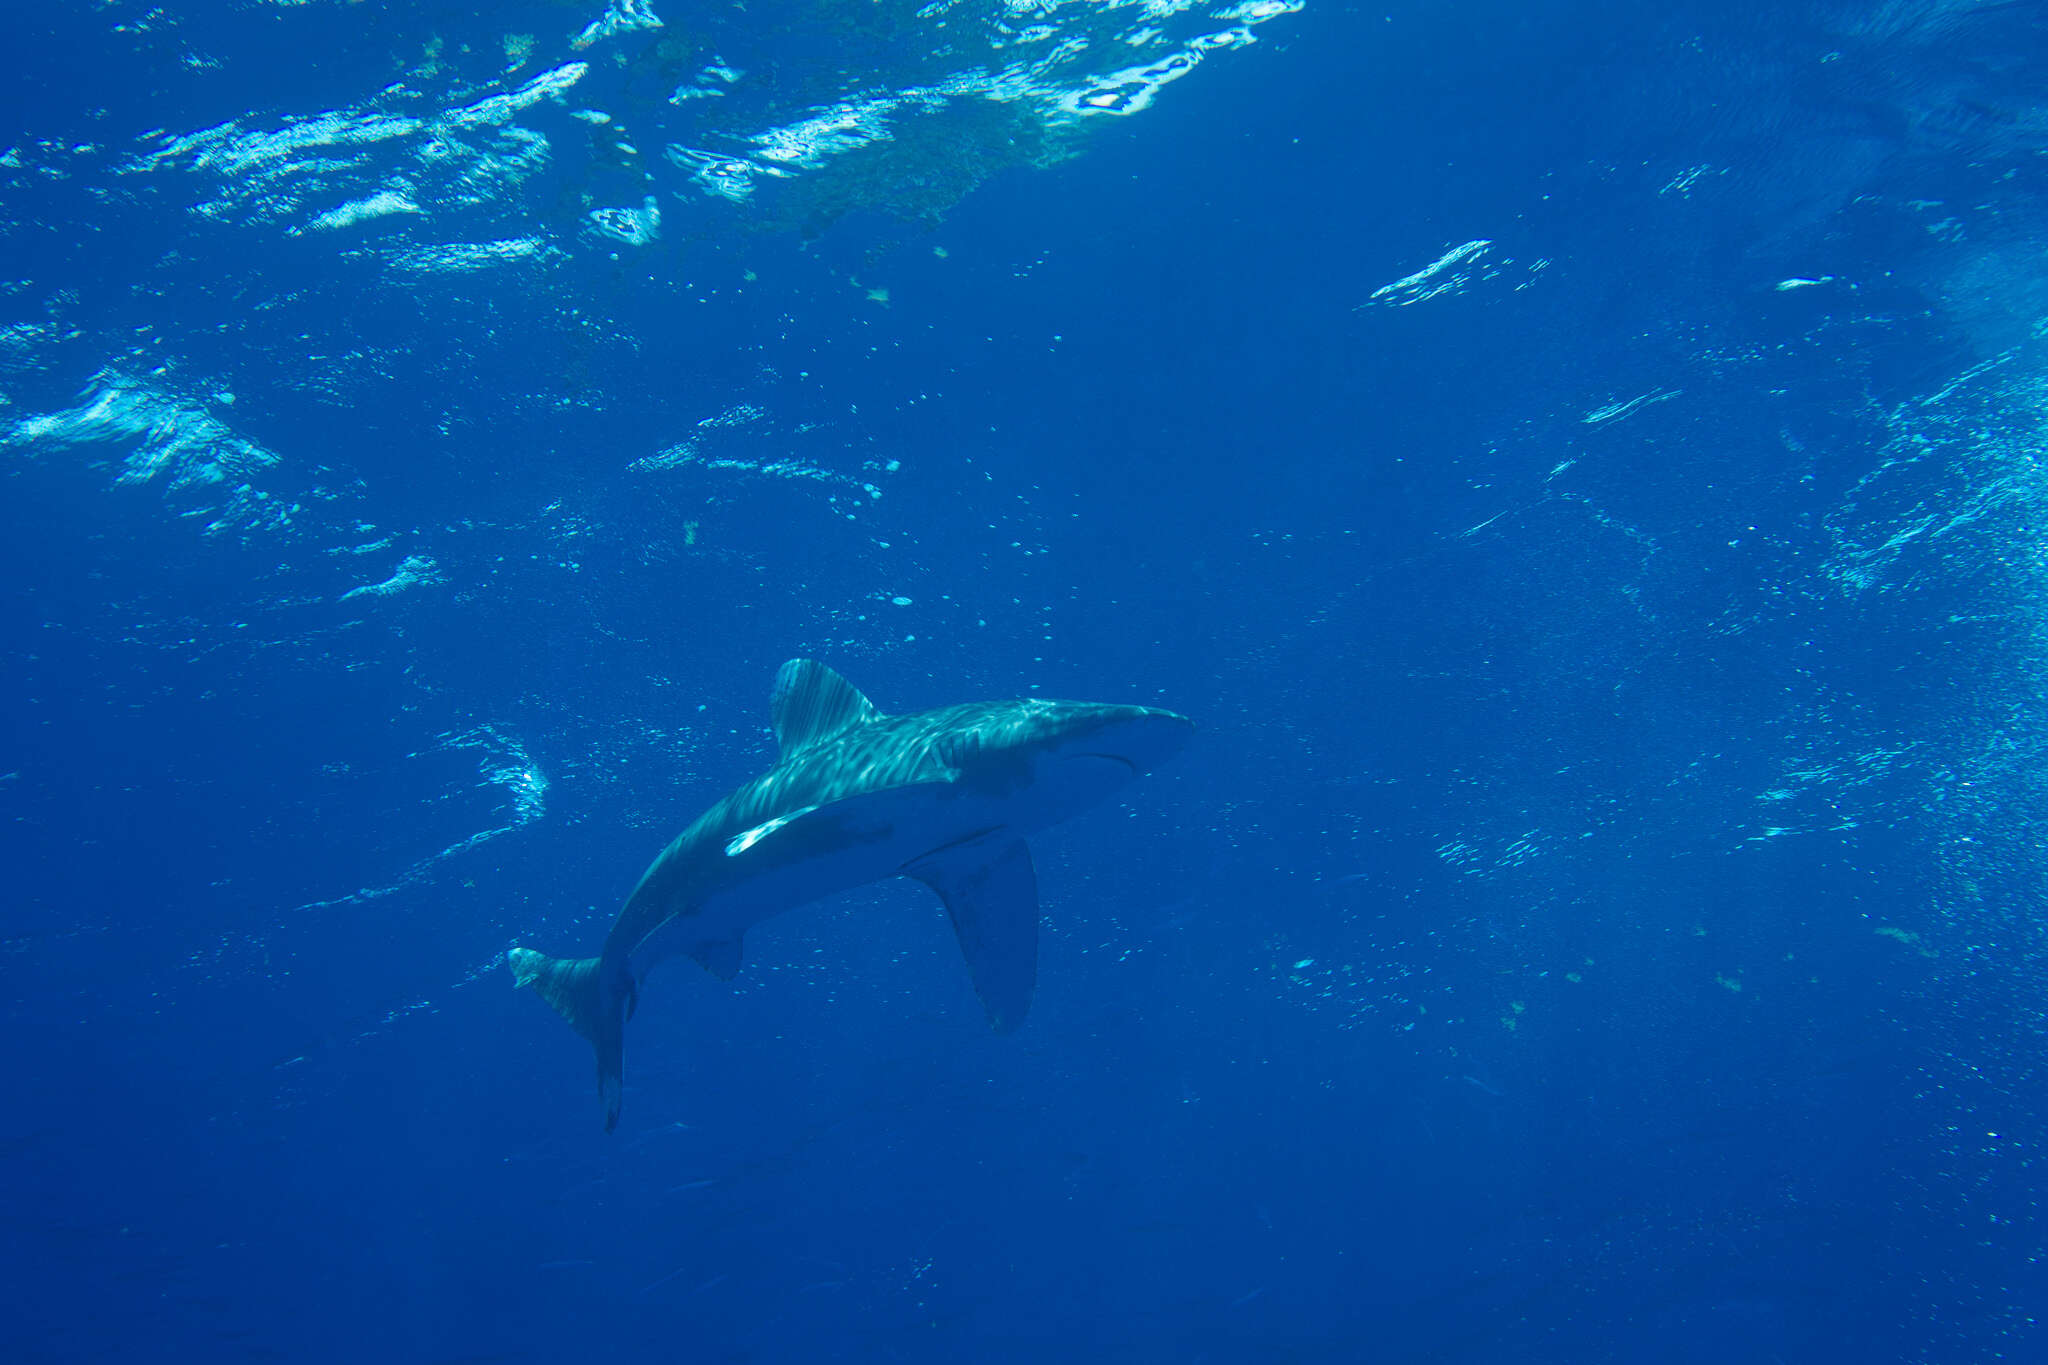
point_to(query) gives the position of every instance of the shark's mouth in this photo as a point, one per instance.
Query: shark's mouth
(965, 841)
(1114, 758)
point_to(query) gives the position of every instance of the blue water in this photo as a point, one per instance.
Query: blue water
(1581, 467)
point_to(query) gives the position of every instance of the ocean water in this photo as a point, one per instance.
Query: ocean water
(1581, 466)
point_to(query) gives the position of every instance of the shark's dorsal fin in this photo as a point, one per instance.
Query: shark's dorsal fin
(992, 896)
(812, 703)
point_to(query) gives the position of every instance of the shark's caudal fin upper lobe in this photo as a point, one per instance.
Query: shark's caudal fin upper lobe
(573, 987)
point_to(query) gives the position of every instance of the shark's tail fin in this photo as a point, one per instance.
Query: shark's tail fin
(573, 987)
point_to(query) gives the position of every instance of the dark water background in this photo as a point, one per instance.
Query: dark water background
(1601, 919)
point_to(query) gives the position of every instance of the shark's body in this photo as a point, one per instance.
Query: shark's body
(943, 796)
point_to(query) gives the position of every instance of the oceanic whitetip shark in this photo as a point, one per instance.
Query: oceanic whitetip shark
(943, 796)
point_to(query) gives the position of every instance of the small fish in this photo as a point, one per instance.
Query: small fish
(663, 1131)
(656, 1284)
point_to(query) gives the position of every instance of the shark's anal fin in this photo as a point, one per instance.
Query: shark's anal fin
(811, 703)
(720, 958)
(991, 893)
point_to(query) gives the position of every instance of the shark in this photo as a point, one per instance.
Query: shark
(946, 797)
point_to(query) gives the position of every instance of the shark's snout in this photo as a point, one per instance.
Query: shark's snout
(1140, 737)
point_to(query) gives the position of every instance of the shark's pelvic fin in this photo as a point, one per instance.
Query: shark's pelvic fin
(812, 703)
(573, 987)
(720, 958)
(992, 897)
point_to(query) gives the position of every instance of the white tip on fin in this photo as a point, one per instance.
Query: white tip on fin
(747, 838)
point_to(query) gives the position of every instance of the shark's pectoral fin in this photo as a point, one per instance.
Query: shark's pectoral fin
(721, 959)
(992, 896)
(747, 838)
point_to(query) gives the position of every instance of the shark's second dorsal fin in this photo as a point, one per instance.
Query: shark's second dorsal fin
(812, 703)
